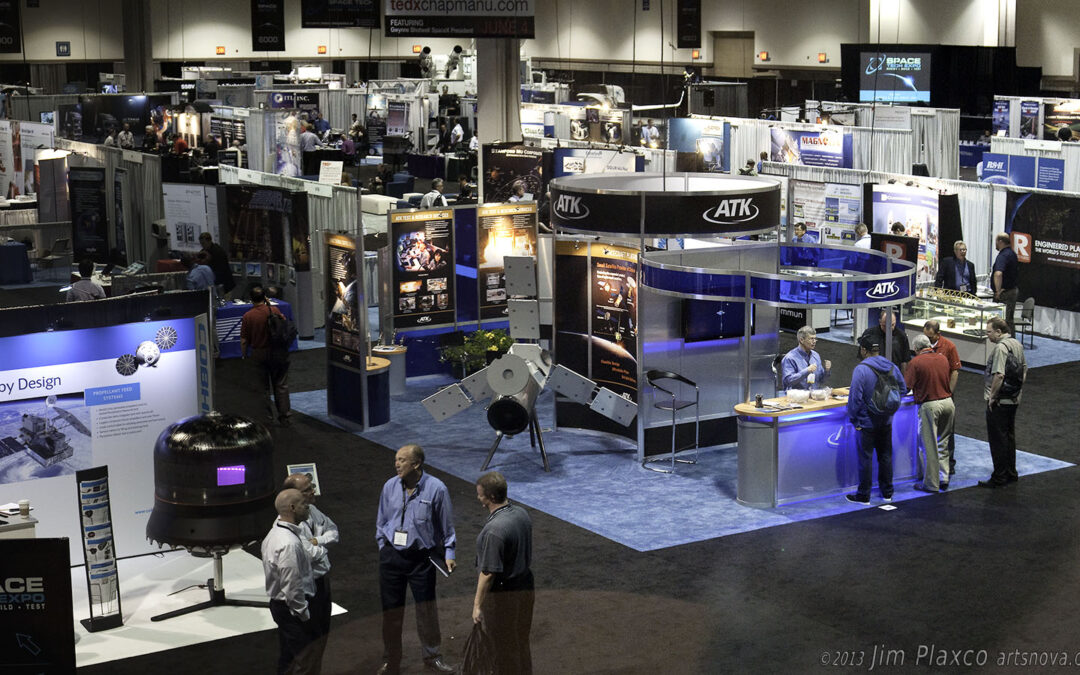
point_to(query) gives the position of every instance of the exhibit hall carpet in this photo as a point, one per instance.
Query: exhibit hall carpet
(968, 569)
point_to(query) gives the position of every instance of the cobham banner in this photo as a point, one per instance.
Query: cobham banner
(460, 18)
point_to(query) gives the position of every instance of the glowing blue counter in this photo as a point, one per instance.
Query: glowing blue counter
(793, 456)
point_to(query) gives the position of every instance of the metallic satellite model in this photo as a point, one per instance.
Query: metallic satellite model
(515, 380)
(214, 491)
(44, 437)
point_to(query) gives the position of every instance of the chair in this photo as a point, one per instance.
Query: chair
(60, 251)
(673, 382)
(778, 373)
(1026, 321)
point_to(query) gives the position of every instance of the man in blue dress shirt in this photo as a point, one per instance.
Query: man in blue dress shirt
(415, 533)
(802, 367)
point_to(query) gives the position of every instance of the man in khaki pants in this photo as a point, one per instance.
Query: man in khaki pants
(927, 376)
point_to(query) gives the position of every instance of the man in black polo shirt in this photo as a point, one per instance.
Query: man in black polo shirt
(219, 262)
(1006, 269)
(504, 590)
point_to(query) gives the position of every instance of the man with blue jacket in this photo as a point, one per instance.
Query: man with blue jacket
(874, 431)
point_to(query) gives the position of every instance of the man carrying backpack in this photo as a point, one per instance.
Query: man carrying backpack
(876, 389)
(264, 335)
(1006, 371)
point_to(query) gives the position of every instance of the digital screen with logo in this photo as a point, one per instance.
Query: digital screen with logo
(894, 77)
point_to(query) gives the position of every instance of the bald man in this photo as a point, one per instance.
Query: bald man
(317, 533)
(291, 585)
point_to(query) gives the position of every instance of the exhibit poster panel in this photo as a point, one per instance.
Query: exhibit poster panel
(501, 230)
(1001, 113)
(35, 606)
(89, 218)
(397, 118)
(571, 161)
(507, 165)
(613, 337)
(704, 137)
(258, 220)
(830, 210)
(34, 137)
(1050, 174)
(831, 148)
(73, 399)
(120, 218)
(7, 159)
(339, 14)
(422, 274)
(54, 202)
(461, 20)
(1056, 116)
(1047, 243)
(267, 25)
(286, 144)
(1045, 173)
(186, 215)
(917, 210)
(343, 321)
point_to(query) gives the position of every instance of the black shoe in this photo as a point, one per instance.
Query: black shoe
(944, 487)
(437, 665)
(388, 668)
(1012, 479)
(990, 484)
(922, 488)
(856, 499)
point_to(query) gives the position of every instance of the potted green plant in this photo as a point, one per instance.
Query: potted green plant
(478, 350)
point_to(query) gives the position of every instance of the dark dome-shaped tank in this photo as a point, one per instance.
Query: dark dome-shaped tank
(214, 486)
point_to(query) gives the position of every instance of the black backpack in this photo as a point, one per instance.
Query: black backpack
(887, 393)
(1013, 380)
(282, 331)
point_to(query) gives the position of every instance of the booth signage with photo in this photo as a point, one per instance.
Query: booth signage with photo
(422, 268)
(1046, 240)
(501, 230)
(917, 210)
(830, 211)
(830, 148)
(343, 343)
(509, 164)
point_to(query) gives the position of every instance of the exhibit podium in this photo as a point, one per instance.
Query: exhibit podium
(792, 455)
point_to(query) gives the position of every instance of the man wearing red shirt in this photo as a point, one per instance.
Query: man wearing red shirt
(273, 368)
(927, 375)
(943, 345)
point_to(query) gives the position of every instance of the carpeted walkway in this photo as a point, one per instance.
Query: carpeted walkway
(969, 569)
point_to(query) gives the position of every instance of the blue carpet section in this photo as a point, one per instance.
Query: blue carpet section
(635, 507)
(1043, 352)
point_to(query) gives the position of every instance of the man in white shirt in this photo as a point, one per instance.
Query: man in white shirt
(862, 237)
(457, 134)
(435, 198)
(474, 143)
(291, 585)
(650, 134)
(85, 288)
(110, 140)
(317, 533)
(125, 138)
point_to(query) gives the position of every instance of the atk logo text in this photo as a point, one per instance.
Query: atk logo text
(569, 207)
(883, 290)
(732, 211)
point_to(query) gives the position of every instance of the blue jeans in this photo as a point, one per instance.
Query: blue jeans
(878, 438)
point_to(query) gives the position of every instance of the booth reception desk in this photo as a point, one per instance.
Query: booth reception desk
(788, 456)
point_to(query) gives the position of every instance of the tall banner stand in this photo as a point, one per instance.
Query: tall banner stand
(99, 550)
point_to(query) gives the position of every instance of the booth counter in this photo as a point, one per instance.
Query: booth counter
(792, 455)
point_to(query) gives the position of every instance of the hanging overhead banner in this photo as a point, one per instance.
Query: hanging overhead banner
(811, 148)
(688, 24)
(339, 14)
(422, 276)
(9, 27)
(460, 19)
(268, 25)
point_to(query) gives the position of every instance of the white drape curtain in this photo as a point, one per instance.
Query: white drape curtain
(937, 141)
(259, 142)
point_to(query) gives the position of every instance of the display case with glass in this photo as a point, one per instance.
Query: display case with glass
(962, 317)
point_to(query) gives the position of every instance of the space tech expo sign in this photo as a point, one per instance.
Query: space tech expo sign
(460, 18)
(665, 214)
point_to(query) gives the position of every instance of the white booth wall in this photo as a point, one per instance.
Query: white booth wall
(1070, 152)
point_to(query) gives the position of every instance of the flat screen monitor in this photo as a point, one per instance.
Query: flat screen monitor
(896, 77)
(713, 320)
(48, 117)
